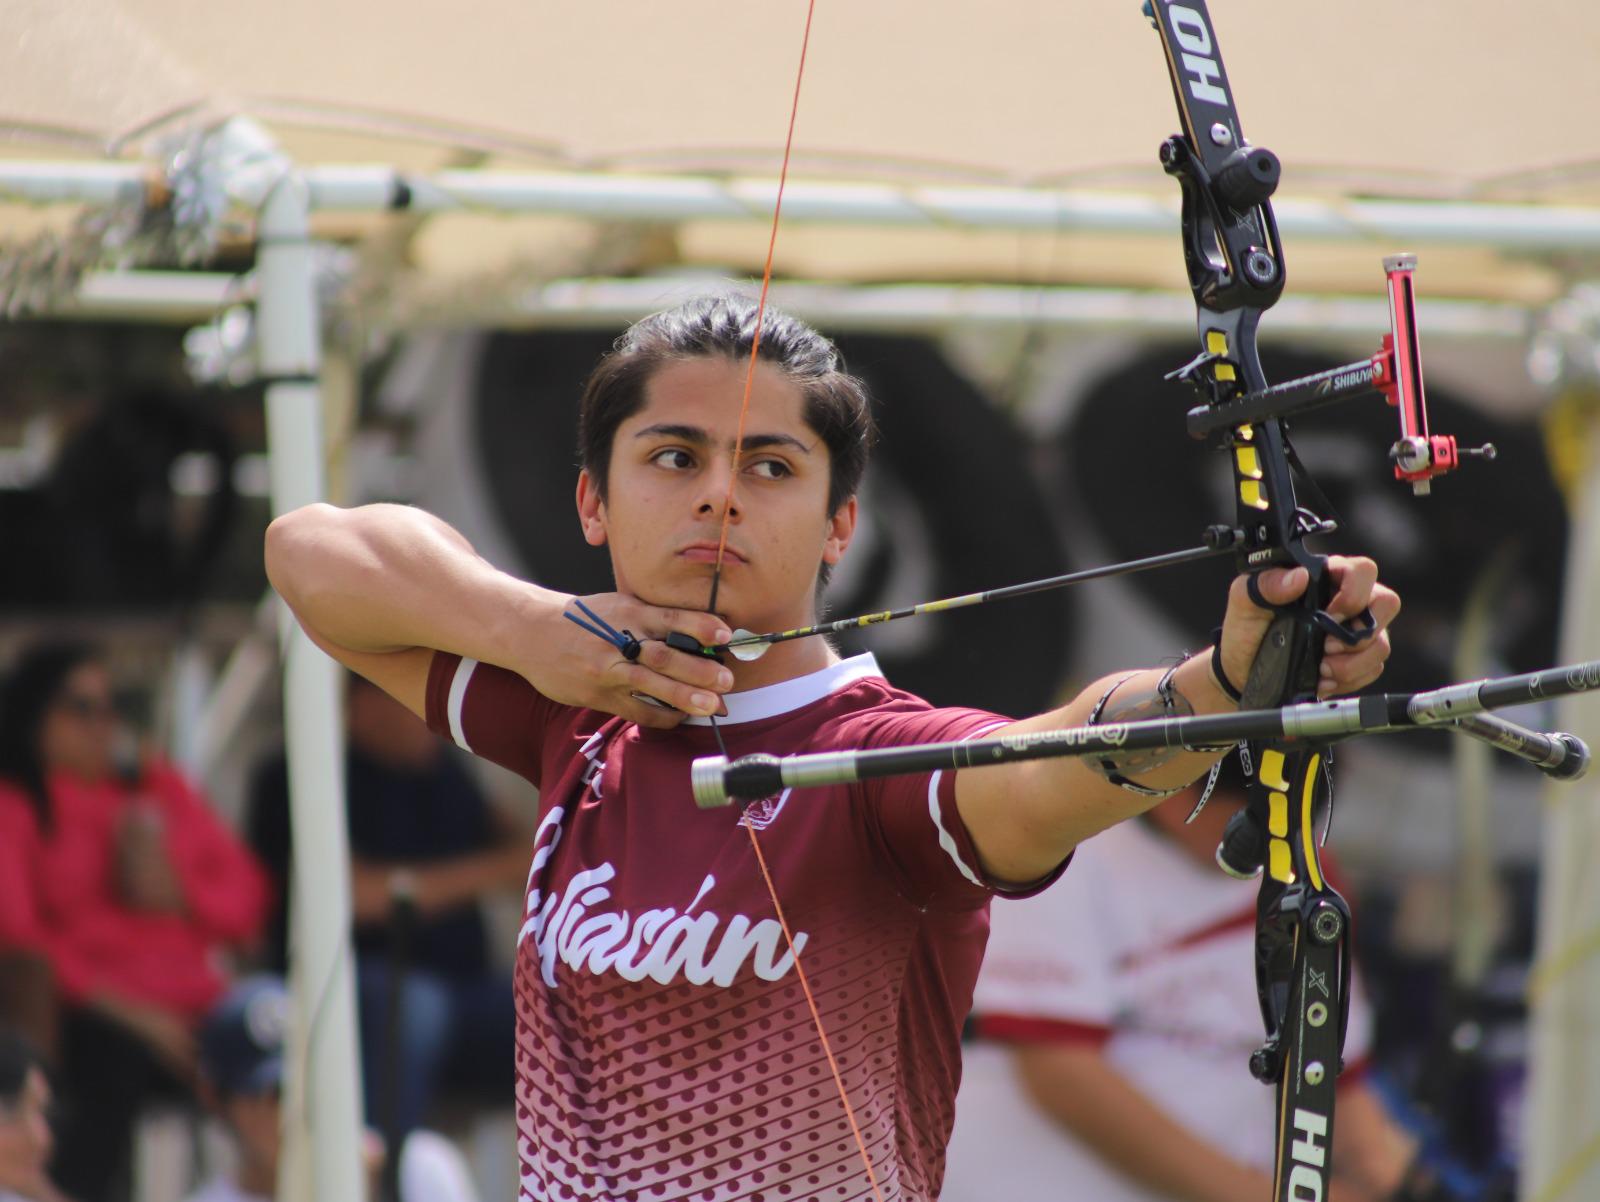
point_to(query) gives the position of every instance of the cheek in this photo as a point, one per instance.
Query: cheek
(17, 1156)
(43, 1140)
(55, 738)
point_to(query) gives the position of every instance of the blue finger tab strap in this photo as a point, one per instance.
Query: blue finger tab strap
(622, 640)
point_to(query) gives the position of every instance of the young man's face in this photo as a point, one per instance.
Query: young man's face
(79, 732)
(25, 1141)
(256, 1121)
(669, 475)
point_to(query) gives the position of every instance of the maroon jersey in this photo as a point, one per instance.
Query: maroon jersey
(664, 1047)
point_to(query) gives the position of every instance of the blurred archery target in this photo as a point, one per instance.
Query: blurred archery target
(948, 507)
(1145, 486)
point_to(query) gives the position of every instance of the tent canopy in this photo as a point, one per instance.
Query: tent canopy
(1363, 98)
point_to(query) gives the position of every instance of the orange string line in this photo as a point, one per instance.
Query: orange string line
(761, 309)
(816, 1015)
(716, 580)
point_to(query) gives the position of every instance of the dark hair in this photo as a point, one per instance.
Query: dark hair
(30, 689)
(723, 325)
(18, 1057)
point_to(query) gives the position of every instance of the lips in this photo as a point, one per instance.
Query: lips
(703, 552)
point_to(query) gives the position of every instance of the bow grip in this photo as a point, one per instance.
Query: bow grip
(1360, 627)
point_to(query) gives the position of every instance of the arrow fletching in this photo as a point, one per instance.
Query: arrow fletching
(748, 646)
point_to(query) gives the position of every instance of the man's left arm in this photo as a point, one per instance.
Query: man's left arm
(435, 886)
(1025, 818)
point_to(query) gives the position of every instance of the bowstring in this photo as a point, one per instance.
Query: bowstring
(716, 584)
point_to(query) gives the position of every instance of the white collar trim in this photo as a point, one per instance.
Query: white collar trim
(769, 701)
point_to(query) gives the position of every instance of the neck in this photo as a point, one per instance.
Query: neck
(255, 1178)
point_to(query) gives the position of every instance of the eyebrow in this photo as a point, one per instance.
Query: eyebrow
(696, 436)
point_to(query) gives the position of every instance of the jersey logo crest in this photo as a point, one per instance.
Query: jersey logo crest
(759, 815)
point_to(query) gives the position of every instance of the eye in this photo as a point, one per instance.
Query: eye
(771, 469)
(673, 458)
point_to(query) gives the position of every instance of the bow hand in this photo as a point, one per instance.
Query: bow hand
(1356, 591)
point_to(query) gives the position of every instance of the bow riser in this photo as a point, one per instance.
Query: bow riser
(1236, 272)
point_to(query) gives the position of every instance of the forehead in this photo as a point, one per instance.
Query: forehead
(709, 392)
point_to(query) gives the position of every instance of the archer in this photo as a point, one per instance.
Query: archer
(664, 1049)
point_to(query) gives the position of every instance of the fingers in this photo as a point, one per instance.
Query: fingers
(1350, 669)
(1355, 579)
(679, 694)
(682, 682)
(707, 629)
(1278, 585)
(692, 684)
(699, 671)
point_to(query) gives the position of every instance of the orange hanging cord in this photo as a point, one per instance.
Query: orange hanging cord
(761, 309)
(716, 581)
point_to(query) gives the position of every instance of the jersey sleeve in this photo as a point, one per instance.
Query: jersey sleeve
(490, 712)
(1049, 974)
(913, 822)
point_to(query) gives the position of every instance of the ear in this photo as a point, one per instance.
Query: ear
(841, 529)
(591, 510)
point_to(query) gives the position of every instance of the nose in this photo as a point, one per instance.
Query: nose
(717, 490)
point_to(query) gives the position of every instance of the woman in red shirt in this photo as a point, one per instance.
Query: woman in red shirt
(119, 875)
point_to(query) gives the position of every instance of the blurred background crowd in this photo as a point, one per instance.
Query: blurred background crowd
(980, 222)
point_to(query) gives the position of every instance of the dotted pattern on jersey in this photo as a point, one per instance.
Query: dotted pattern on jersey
(639, 1092)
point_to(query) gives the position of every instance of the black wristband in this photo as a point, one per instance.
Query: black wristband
(1217, 673)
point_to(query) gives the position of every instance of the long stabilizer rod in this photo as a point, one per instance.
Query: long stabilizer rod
(717, 781)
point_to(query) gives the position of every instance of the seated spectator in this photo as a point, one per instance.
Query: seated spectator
(1115, 1014)
(28, 998)
(121, 877)
(25, 1139)
(426, 844)
(241, 1079)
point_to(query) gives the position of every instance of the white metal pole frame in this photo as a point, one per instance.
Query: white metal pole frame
(1561, 1117)
(379, 188)
(328, 1078)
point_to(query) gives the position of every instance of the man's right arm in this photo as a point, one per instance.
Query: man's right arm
(1075, 1085)
(382, 587)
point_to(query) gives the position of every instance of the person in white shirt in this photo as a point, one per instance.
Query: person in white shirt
(1114, 1016)
(25, 1137)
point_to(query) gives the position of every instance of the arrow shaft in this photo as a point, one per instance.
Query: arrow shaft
(839, 626)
